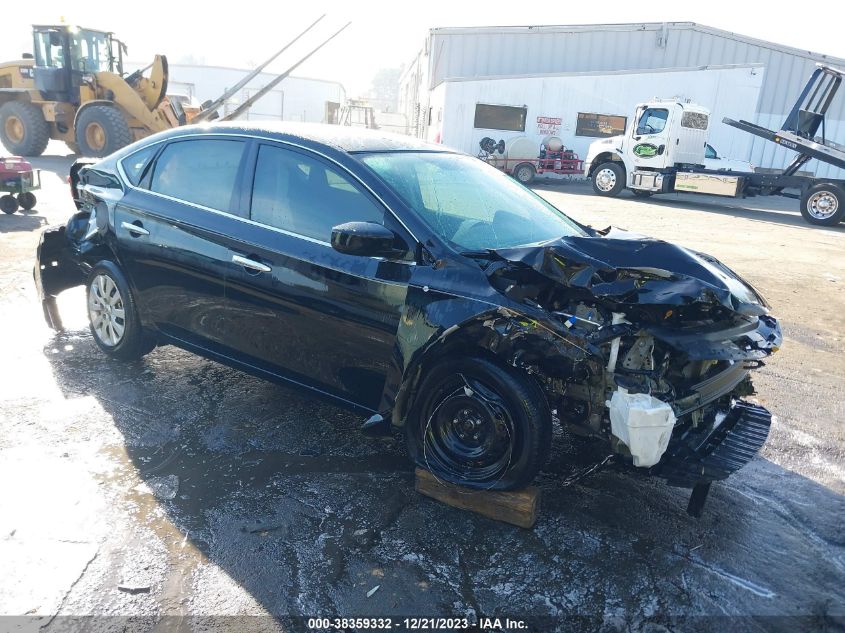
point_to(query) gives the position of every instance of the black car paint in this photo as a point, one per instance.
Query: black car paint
(362, 330)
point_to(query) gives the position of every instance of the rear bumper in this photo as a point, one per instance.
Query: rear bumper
(715, 453)
(56, 269)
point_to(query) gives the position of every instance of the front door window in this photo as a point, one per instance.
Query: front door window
(652, 121)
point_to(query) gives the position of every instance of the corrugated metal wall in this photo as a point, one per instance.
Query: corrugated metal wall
(497, 51)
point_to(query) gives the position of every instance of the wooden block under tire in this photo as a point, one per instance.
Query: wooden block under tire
(517, 507)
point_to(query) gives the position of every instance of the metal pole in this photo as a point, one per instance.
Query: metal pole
(246, 104)
(207, 112)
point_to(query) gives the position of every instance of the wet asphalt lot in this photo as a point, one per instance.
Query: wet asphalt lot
(171, 489)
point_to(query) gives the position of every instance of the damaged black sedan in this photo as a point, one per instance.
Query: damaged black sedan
(422, 288)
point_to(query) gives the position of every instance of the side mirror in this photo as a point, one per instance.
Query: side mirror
(367, 239)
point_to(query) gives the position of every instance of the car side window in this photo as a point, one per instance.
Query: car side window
(136, 164)
(300, 194)
(202, 171)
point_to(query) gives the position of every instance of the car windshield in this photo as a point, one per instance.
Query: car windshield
(469, 203)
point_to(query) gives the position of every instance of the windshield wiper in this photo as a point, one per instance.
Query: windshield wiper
(484, 253)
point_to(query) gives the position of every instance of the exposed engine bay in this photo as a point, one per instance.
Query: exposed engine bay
(655, 361)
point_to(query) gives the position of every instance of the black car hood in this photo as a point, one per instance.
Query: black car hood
(627, 268)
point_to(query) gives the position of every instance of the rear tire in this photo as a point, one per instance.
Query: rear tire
(524, 173)
(27, 200)
(8, 204)
(609, 179)
(101, 130)
(113, 314)
(823, 205)
(479, 425)
(23, 129)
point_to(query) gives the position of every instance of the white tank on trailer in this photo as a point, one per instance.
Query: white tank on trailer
(521, 148)
(552, 143)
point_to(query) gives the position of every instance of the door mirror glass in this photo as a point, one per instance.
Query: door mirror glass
(367, 239)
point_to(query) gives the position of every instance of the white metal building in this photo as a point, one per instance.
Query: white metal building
(294, 99)
(502, 55)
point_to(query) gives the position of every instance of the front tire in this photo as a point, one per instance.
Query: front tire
(101, 130)
(823, 205)
(479, 425)
(23, 129)
(113, 314)
(609, 179)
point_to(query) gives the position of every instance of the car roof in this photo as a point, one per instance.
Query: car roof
(341, 137)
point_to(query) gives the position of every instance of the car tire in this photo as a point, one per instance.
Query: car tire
(480, 425)
(8, 204)
(101, 130)
(23, 129)
(27, 200)
(823, 205)
(113, 314)
(609, 179)
(524, 173)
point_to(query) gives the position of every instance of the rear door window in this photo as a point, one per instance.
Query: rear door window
(301, 194)
(201, 171)
(136, 164)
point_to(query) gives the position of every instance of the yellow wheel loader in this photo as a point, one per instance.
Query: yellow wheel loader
(74, 89)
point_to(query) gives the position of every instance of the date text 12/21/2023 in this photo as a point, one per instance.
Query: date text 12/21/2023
(415, 624)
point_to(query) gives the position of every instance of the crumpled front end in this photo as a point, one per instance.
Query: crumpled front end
(662, 344)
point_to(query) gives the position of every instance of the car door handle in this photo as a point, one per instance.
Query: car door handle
(137, 229)
(246, 262)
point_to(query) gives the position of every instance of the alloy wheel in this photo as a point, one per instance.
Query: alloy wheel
(106, 310)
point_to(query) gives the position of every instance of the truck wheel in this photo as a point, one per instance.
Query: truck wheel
(27, 200)
(479, 425)
(823, 205)
(8, 204)
(101, 130)
(524, 173)
(609, 179)
(113, 315)
(23, 129)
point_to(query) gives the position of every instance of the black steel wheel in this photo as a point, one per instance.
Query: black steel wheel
(479, 425)
(27, 200)
(8, 204)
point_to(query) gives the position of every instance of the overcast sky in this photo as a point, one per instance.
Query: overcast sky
(387, 34)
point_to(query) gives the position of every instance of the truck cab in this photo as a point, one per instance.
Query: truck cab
(662, 136)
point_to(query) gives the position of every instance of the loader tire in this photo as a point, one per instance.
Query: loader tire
(101, 130)
(23, 129)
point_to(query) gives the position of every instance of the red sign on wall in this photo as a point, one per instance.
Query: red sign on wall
(548, 125)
